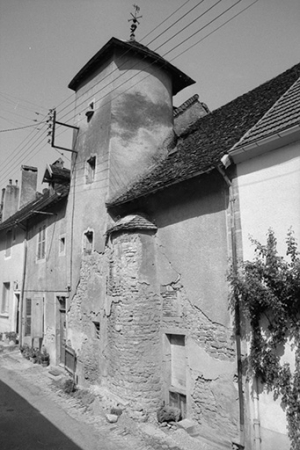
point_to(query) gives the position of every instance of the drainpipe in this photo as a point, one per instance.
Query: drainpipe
(226, 162)
(23, 288)
(256, 420)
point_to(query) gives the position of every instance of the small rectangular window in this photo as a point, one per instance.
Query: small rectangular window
(5, 298)
(9, 237)
(28, 317)
(88, 240)
(62, 245)
(90, 169)
(41, 250)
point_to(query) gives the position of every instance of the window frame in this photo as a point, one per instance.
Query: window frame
(5, 299)
(28, 318)
(41, 243)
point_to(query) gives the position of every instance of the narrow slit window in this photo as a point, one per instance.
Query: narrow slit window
(88, 241)
(62, 245)
(97, 329)
(90, 169)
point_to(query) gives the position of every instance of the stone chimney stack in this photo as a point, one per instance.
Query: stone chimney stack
(28, 185)
(10, 200)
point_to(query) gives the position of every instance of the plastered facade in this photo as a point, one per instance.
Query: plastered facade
(269, 192)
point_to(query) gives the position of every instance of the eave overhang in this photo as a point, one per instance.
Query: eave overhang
(180, 79)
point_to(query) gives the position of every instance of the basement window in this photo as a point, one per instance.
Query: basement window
(90, 169)
(88, 241)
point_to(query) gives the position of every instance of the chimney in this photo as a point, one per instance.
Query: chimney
(188, 113)
(10, 199)
(28, 185)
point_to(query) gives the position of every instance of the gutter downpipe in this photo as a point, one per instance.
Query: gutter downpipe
(237, 308)
(22, 318)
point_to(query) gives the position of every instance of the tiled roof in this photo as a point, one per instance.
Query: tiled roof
(207, 140)
(180, 79)
(132, 222)
(40, 204)
(284, 114)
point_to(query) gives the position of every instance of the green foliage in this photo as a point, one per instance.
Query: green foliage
(267, 291)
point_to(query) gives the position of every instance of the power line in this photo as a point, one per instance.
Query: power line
(149, 65)
(161, 23)
(20, 128)
(166, 53)
(122, 74)
(144, 37)
(216, 29)
(127, 51)
(172, 25)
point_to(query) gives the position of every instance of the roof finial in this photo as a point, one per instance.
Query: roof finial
(135, 21)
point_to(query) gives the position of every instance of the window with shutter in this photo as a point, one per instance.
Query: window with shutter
(28, 317)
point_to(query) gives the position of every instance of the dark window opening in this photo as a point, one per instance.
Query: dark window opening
(97, 329)
(62, 245)
(88, 241)
(90, 169)
(178, 401)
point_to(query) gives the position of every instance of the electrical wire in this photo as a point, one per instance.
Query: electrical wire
(127, 51)
(216, 29)
(178, 46)
(20, 128)
(149, 65)
(172, 25)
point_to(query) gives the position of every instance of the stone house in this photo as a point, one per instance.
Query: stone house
(136, 253)
(12, 254)
(34, 269)
(149, 291)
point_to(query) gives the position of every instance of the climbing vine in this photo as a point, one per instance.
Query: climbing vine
(267, 292)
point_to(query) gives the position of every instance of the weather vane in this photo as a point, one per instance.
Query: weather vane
(135, 21)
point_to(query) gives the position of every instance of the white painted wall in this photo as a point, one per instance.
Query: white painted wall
(269, 195)
(269, 192)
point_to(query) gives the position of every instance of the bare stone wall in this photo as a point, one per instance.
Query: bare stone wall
(213, 406)
(139, 299)
(85, 309)
(134, 349)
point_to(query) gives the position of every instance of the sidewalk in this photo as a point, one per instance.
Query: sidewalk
(91, 408)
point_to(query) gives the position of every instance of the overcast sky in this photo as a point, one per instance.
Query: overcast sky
(44, 43)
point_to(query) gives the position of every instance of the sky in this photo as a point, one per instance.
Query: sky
(44, 43)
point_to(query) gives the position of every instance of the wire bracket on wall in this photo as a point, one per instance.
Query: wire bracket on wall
(52, 122)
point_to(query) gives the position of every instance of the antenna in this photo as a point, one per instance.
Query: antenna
(135, 21)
